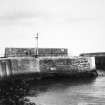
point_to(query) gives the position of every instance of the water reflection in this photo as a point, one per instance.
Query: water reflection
(45, 92)
(63, 92)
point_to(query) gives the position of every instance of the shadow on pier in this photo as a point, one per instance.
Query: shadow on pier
(13, 91)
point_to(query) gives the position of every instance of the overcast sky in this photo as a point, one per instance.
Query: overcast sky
(78, 25)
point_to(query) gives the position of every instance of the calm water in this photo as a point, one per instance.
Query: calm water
(53, 92)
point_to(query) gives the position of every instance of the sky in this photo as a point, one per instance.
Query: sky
(78, 25)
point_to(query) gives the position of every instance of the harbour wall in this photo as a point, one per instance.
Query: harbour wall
(65, 64)
(25, 65)
(12, 66)
(99, 59)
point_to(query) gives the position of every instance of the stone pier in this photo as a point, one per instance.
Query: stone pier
(25, 65)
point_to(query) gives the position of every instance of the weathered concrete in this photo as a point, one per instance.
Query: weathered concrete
(12, 66)
(25, 65)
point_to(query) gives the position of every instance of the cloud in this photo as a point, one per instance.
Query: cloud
(50, 10)
(17, 9)
(70, 20)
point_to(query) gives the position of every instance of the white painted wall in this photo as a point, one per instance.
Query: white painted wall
(92, 63)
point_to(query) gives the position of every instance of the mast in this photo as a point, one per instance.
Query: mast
(36, 48)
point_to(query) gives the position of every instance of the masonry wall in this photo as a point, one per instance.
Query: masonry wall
(78, 64)
(99, 59)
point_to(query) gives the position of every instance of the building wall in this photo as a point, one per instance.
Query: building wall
(93, 54)
(100, 62)
(21, 52)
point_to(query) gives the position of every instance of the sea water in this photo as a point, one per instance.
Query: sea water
(66, 91)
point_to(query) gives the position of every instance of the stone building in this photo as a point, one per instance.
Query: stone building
(28, 52)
